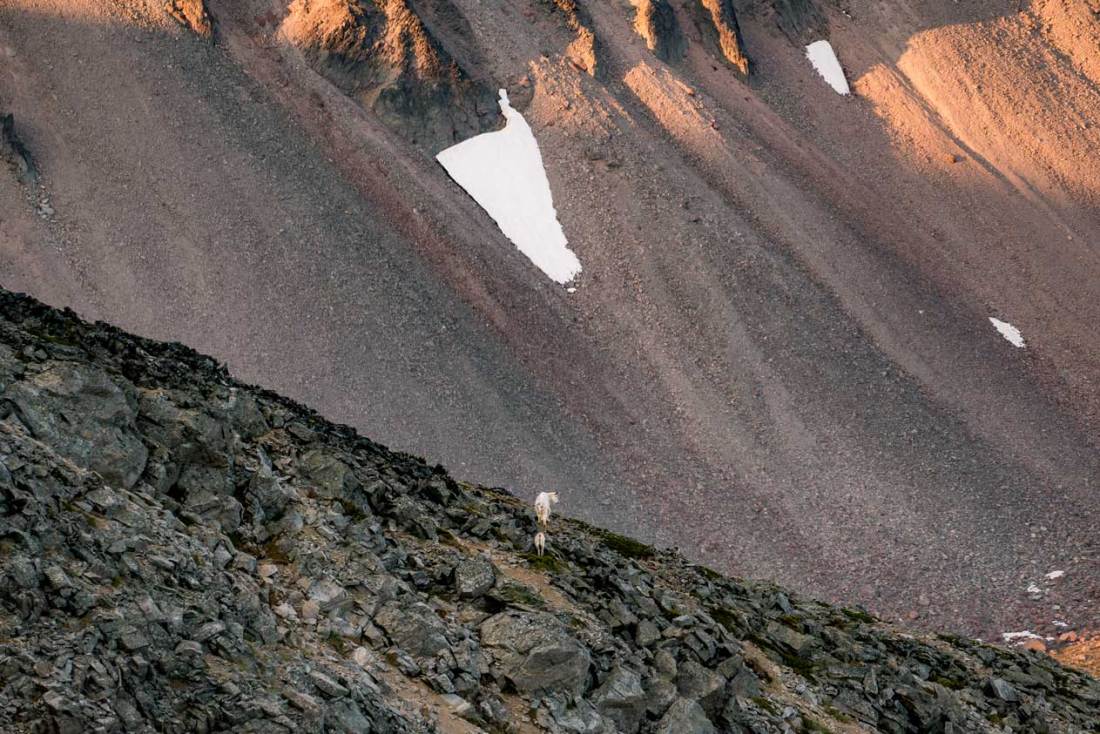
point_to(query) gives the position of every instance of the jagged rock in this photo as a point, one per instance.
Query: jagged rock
(696, 683)
(383, 54)
(684, 717)
(345, 717)
(474, 577)
(647, 633)
(223, 510)
(791, 640)
(579, 718)
(665, 663)
(621, 699)
(853, 705)
(133, 639)
(328, 595)
(660, 693)
(746, 685)
(1003, 690)
(330, 477)
(267, 498)
(724, 29)
(415, 628)
(533, 652)
(655, 21)
(85, 416)
(192, 14)
(584, 50)
(326, 685)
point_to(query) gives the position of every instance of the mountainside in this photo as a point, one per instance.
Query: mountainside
(181, 552)
(778, 355)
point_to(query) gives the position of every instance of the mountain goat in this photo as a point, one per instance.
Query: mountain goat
(540, 542)
(542, 506)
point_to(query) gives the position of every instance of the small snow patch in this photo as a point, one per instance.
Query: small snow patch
(1032, 588)
(503, 172)
(822, 56)
(1025, 635)
(1008, 331)
(1055, 575)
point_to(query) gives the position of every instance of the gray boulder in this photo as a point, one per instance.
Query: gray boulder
(621, 699)
(684, 717)
(267, 498)
(331, 477)
(535, 652)
(474, 577)
(660, 693)
(345, 717)
(415, 628)
(579, 718)
(84, 416)
(696, 683)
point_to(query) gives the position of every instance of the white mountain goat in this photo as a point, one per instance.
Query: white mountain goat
(540, 542)
(542, 506)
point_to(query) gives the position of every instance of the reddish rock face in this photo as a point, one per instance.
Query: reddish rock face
(383, 55)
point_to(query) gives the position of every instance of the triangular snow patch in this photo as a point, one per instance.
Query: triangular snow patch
(503, 172)
(822, 56)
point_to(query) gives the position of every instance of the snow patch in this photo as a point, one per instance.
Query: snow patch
(1008, 331)
(1055, 575)
(822, 56)
(503, 172)
(1025, 635)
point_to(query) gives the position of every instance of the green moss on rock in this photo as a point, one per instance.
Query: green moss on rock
(625, 546)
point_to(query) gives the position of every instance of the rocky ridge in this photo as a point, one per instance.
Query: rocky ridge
(181, 552)
(726, 33)
(583, 51)
(192, 14)
(655, 21)
(392, 58)
(384, 56)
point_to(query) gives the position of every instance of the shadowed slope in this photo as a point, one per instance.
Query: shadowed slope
(242, 564)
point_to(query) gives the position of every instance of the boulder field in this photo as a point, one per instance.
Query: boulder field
(181, 552)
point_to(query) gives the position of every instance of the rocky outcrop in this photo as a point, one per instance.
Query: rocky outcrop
(180, 552)
(584, 51)
(84, 416)
(655, 21)
(15, 153)
(801, 20)
(193, 15)
(534, 652)
(381, 53)
(721, 27)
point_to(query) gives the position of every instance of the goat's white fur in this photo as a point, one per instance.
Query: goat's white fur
(540, 542)
(542, 506)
